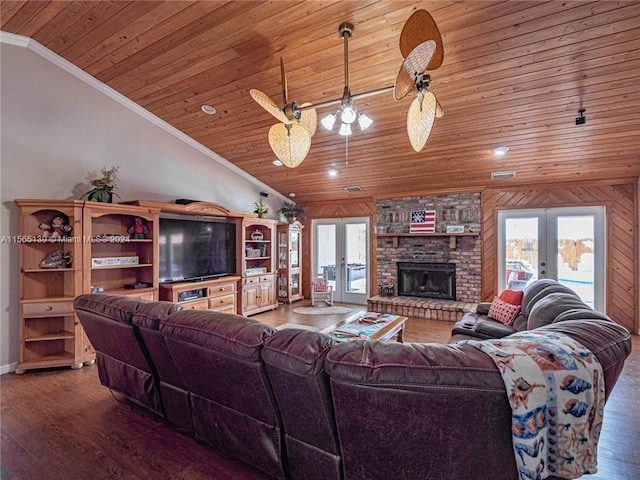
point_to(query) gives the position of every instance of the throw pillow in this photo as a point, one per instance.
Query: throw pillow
(320, 287)
(512, 296)
(503, 312)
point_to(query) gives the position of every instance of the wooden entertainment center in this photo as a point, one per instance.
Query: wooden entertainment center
(100, 254)
(254, 284)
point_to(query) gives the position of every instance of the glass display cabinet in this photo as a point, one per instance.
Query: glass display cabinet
(290, 262)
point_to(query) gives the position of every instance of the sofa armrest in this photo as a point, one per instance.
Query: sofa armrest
(483, 308)
(493, 328)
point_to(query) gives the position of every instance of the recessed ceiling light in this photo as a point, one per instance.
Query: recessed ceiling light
(208, 109)
(277, 163)
(332, 172)
(292, 194)
(501, 150)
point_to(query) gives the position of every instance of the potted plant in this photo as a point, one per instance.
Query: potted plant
(102, 190)
(260, 208)
(291, 212)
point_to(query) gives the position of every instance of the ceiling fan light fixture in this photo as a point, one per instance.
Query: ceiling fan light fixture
(345, 130)
(348, 114)
(329, 121)
(364, 121)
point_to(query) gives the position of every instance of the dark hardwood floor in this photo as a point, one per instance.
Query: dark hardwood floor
(63, 425)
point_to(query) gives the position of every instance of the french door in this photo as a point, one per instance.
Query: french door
(341, 255)
(564, 244)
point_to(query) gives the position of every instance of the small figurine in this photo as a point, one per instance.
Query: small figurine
(57, 229)
(139, 230)
(57, 259)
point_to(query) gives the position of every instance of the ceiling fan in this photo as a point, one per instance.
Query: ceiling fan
(421, 47)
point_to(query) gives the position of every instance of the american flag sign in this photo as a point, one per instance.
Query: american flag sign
(423, 221)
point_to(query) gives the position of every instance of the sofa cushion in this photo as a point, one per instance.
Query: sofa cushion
(548, 308)
(581, 314)
(232, 334)
(503, 311)
(114, 307)
(540, 289)
(148, 315)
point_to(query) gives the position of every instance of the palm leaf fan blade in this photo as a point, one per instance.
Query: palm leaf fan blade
(269, 105)
(420, 27)
(290, 143)
(420, 120)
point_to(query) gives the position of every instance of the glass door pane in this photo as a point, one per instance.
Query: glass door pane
(356, 258)
(326, 253)
(519, 255)
(580, 257)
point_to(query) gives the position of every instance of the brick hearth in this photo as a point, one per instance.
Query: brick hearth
(419, 307)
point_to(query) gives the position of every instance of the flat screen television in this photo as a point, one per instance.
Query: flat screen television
(195, 248)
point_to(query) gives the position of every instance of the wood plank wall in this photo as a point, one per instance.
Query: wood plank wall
(621, 201)
(362, 207)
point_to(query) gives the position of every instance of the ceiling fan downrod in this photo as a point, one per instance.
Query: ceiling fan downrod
(346, 31)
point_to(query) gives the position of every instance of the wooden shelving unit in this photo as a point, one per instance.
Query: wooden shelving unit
(452, 236)
(50, 332)
(106, 231)
(258, 265)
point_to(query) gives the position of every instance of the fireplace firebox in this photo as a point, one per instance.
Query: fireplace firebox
(430, 280)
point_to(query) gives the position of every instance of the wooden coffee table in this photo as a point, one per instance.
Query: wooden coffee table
(395, 327)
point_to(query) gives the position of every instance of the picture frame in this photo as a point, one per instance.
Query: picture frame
(455, 228)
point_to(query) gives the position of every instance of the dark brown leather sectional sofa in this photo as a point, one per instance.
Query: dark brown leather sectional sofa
(296, 405)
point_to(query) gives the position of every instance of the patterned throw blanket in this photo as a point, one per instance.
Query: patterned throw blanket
(556, 391)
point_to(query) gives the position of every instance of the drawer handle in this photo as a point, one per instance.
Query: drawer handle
(49, 308)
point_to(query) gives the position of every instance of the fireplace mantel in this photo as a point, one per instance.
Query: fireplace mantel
(452, 236)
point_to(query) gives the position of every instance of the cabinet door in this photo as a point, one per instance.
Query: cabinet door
(250, 298)
(294, 249)
(266, 296)
(295, 284)
(282, 250)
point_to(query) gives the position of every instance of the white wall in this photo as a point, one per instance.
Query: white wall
(57, 131)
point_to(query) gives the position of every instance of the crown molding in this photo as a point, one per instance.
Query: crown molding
(31, 44)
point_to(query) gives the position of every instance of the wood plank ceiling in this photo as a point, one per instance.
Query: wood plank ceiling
(514, 73)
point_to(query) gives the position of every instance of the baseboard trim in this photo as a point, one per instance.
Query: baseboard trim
(8, 368)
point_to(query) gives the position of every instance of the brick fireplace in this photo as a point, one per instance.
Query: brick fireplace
(456, 266)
